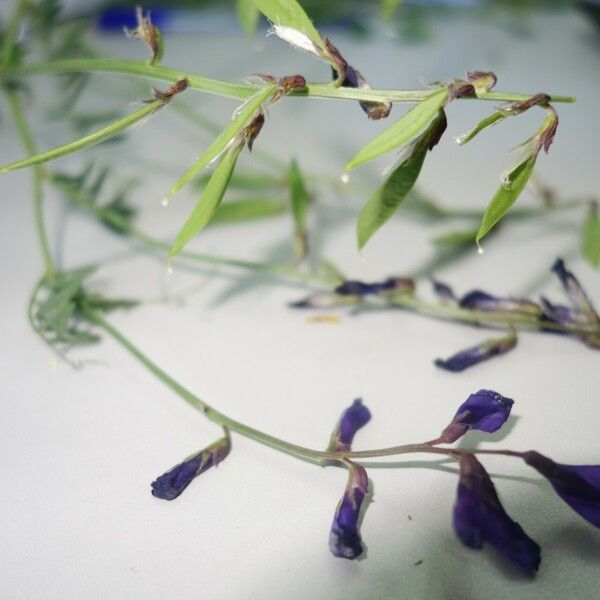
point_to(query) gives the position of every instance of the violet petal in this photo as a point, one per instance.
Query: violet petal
(485, 410)
(475, 354)
(344, 537)
(577, 485)
(172, 483)
(479, 517)
(357, 415)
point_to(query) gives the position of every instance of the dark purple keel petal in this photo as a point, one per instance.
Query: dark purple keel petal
(577, 485)
(479, 517)
(357, 288)
(172, 483)
(485, 410)
(472, 356)
(479, 300)
(353, 79)
(357, 415)
(344, 538)
(563, 315)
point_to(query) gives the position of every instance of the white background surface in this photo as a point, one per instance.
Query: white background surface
(79, 448)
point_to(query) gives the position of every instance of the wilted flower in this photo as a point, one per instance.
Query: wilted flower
(148, 33)
(479, 300)
(563, 315)
(485, 410)
(353, 79)
(476, 354)
(344, 537)
(577, 485)
(575, 292)
(357, 415)
(170, 485)
(483, 81)
(479, 517)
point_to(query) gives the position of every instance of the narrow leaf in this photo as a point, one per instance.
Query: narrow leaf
(288, 13)
(244, 113)
(300, 199)
(506, 196)
(491, 120)
(388, 197)
(402, 130)
(248, 15)
(591, 240)
(249, 210)
(209, 201)
(89, 140)
(246, 181)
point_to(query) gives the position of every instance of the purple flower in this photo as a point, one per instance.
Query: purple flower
(478, 300)
(577, 485)
(353, 79)
(344, 537)
(170, 485)
(443, 291)
(485, 410)
(475, 354)
(397, 285)
(357, 415)
(357, 288)
(479, 517)
(563, 315)
(575, 292)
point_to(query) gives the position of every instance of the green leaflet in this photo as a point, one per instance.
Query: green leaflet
(402, 130)
(244, 114)
(89, 140)
(249, 210)
(388, 197)
(288, 13)
(491, 120)
(209, 201)
(456, 238)
(506, 196)
(300, 199)
(591, 240)
(247, 14)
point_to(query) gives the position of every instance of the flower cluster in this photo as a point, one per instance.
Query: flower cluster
(580, 320)
(478, 515)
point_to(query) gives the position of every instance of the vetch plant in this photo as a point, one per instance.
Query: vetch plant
(66, 311)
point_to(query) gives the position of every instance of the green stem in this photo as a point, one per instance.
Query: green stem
(11, 32)
(123, 226)
(211, 413)
(499, 320)
(245, 91)
(16, 107)
(314, 456)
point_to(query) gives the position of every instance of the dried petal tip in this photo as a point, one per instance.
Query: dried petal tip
(483, 81)
(471, 356)
(148, 33)
(485, 410)
(170, 485)
(357, 415)
(479, 517)
(577, 485)
(344, 537)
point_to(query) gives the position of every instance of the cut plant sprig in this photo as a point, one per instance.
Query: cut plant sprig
(159, 100)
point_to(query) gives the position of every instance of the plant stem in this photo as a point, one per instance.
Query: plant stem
(11, 32)
(211, 413)
(245, 91)
(315, 456)
(123, 226)
(16, 107)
